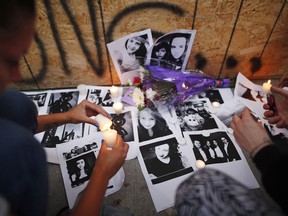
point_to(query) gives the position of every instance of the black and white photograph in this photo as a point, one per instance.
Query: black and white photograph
(101, 95)
(61, 134)
(123, 123)
(215, 148)
(164, 161)
(62, 101)
(129, 54)
(151, 124)
(195, 115)
(77, 159)
(213, 95)
(80, 168)
(40, 99)
(172, 50)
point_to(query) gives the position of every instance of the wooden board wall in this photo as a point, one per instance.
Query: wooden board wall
(232, 36)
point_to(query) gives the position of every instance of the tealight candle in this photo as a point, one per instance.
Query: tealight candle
(103, 122)
(118, 106)
(82, 89)
(110, 136)
(200, 164)
(114, 91)
(216, 104)
(266, 87)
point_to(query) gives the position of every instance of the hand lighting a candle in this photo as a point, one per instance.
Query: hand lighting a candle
(110, 137)
(108, 134)
(103, 122)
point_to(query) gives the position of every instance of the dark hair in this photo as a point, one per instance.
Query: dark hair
(178, 35)
(11, 11)
(159, 46)
(141, 52)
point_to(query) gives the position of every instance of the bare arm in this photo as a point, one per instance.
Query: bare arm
(79, 114)
(107, 164)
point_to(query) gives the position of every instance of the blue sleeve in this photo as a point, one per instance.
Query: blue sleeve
(24, 175)
(18, 108)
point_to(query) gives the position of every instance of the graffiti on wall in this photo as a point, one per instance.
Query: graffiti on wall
(98, 65)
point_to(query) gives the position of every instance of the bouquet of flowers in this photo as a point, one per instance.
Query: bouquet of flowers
(161, 86)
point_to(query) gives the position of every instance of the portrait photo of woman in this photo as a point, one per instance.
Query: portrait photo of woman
(151, 124)
(129, 53)
(177, 47)
(164, 161)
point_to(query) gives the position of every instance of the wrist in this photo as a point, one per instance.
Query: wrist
(258, 147)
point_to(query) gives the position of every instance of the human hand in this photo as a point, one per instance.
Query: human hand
(283, 81)
(83, 111)
(281, 120)
(109, 161)
(245, 128)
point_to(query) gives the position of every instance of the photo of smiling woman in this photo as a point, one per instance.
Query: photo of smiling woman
(151, 124)
(133, 55)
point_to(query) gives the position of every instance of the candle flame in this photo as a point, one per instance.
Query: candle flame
(269, 81)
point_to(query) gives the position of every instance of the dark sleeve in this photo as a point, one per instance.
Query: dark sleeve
(272, 162)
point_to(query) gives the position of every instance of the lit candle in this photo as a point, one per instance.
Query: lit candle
(200, 164)
(216, 104)
(82, 89)
(266, 87)
(110, 136)
(114, 91)
(118, 106)
(103, 122)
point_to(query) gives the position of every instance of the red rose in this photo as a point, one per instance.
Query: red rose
(137, 80)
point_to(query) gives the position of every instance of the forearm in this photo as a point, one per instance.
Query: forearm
(90, 203)
(46, 122)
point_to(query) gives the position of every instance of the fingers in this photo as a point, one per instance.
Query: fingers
(96, 108)
(274, 119)
(269, 114)
(279, 91)
(266, 106)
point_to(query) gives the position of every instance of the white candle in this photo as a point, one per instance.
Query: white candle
(216, 104)
(110, 136)
(104, 123)
(114, 91)
(82, 89)
(266, 87)
(200, 164)
(118, 106)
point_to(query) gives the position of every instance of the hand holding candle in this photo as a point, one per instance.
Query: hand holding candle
(110, 137)
(103, 122)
